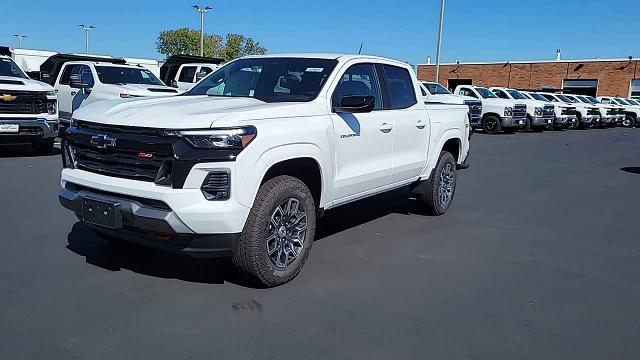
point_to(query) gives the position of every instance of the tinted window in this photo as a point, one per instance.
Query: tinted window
(485, 93)
(401, 90)
(9, 68)
(501, 94)
(206, 69)
(358, 80)
(436, 89)
(84, 72)
(66, 75)
(268, 79)
(467, 92)
(187, 74)
(126, 75)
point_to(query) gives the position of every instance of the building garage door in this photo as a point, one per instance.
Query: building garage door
(581, 87)
(635, 88)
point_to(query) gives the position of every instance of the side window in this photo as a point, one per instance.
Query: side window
(86, 76)
(187, 74)
(359, 80)
(467, 92)
(501, 94)
(424, 93)
(401, 89)
(206, 69)
(550, 98)
(66, 74)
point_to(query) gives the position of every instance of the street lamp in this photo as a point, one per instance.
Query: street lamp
(439, 40)
(202, 11)
(86, 29)
(19, 38)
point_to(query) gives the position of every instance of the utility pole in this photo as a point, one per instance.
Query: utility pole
(202, 11)
(86, 29)
(19, 38)
(439, 40)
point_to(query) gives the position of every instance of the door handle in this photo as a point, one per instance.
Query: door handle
(421, 124)
(385, 128)
(73, 93)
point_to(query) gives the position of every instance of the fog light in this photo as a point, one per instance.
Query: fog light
(52, 108)
(216, 186)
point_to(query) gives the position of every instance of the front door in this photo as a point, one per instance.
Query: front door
(363, 141)
(63, 91)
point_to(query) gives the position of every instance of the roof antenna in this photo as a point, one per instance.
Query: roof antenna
(360, 51)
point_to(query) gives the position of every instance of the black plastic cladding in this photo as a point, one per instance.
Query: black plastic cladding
(175, 152)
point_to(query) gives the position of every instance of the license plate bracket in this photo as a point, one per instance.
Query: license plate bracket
(9, 128)
(101, 213)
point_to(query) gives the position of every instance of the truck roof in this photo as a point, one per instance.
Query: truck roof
(334, 56)
(53, 64)
(169, 69)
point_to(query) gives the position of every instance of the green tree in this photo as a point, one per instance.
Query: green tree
(187, 41)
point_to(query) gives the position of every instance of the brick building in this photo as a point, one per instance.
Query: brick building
(614, 77)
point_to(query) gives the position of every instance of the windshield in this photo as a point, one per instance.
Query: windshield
(268, 79)
(436, 89)
(120, 75)
(584, 100)
(564, 98)
(632, 102)
(517, 95)
(571, 99)
(593, 100)
(621, 102)
(11, 69)
(538, 97)
(485, 93)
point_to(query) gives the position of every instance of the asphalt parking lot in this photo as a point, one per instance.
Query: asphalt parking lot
(539, 258)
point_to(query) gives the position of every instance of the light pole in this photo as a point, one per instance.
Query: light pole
(202, 11)
(19, 38)
(439, 40)
(86, 29)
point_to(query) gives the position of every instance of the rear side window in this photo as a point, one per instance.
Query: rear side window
(401, 90)
(187, 74)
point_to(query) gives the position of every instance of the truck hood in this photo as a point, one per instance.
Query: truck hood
(532, 103)
(23, 84)
(500, 102)
(190, 112)
(147, 90)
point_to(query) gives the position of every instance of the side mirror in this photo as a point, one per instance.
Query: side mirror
(44, 77)
(174, 83)
(356, 104)
(76, 83)
(201, 75)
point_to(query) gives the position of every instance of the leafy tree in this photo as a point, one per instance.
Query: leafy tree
(187, 41)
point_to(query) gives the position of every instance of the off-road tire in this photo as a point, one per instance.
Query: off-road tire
(491, 125)
(429, 201)
(250, 255)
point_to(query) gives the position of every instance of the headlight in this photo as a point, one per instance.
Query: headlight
(234, 138)
(508, 111)
(127, 96)
(51, 93)
(537, 111)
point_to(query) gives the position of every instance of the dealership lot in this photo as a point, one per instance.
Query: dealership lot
(537, 259)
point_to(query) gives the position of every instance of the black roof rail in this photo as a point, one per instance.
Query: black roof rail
(5, 50)
(170, 67)
(50, 69)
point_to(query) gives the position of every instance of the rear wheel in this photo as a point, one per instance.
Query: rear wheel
(528, 124)
(628, 121)
(491, 125)
(278, 234)
(44, 147)
(578, 123)
(441, 187)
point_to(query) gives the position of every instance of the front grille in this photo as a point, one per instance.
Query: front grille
(216, 185)
(475, 109)
(569, 111)
(593, 112)
(548, 110)
(24, 103)
(132, 155)
(520, 111)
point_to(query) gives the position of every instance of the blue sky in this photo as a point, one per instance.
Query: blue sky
(401, 29)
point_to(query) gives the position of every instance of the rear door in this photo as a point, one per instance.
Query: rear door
(363, 141)
(412, 123)
(186, 77)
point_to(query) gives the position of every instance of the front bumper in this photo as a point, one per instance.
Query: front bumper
(30, 130)
(565, 121)
(591, 120)
(513, 122)
(607, 120)
(193, 224)
(542, 121)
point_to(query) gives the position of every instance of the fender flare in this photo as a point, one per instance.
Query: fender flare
(446, 135)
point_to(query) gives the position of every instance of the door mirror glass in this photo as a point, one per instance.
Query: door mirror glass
(76, 82)
(356, 104)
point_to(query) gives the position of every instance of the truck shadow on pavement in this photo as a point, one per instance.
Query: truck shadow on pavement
(631, 170)
(141, 260)
(23, 150)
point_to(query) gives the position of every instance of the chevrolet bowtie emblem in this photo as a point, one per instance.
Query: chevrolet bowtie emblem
(103, 141)
(7, 97)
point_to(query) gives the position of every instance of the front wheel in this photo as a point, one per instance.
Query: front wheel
(628, 121)
(528, 124)
(278, 234)
(491, 125)
(441, 186)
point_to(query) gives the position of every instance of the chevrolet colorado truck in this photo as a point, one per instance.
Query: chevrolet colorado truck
(81, 80)
(539, 113)
(497, 114)
(436, 92)
(184, 71)
(243, 163)
(28, 108)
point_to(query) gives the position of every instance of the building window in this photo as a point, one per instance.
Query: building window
(635, 88)
(581, 87)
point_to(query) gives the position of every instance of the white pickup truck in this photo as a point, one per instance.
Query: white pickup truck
(435, 92)
(81, 80)
(632, 112)
(566, 113)
(497, 114)
(184, 71)
(539, 113)
(244, 162)
(28, 108)
(587, 115)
